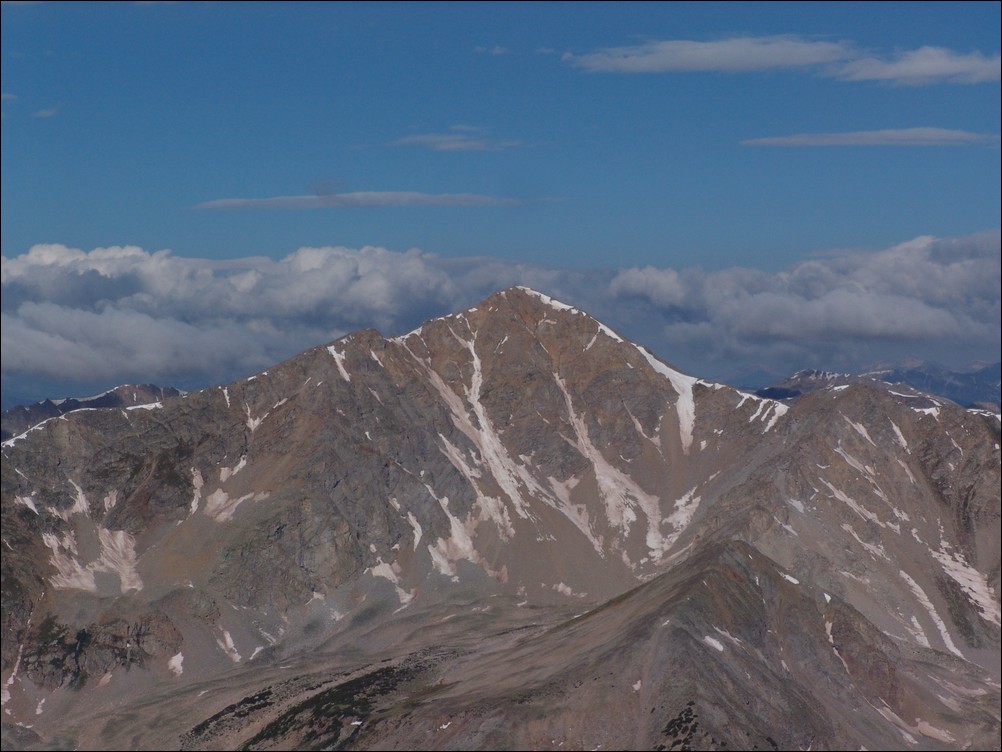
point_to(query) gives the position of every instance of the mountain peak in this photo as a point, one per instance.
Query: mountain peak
(511, 485)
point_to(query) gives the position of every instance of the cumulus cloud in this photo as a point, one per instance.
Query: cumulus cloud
(123, 314)
(923, 294)
(887, 137)
(358, 200)
(842, 60)
(126, 311)
(926, 65)
(459, 138)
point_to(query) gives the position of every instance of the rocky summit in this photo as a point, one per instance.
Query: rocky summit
(508, 529)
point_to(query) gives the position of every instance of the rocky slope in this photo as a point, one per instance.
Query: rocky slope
(509, 528)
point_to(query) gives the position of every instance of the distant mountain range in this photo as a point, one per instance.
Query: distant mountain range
(510, 528)
(19, 419)
(976, 388)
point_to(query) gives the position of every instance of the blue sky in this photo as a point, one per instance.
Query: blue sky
(594, 149)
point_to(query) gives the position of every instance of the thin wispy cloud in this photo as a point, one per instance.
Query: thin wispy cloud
(459, 138)
(8, 97)
(497, 49)
(887, 137)
(47, 112)
(735, 55)
(841, 60)
(926, 65)
(359, 200)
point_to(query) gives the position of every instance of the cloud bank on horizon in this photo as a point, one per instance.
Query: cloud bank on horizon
(124, 314)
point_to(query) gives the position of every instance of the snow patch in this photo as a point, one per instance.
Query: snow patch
(860, 429)
(828, 630)
(196, 482)
(974, 584)
(778, 411)
(900, 437)
(110, 500)
(416, 527)
(619, 492)
(714, 643)
(907, 470)
(28, 502)
(390, 572)
(459, 545)
(80, 505)
(225, 643)
(227, 472)
(176, 664)
(685, 405)
(876, 550)
(853, 462)
(148, 406)
(220, 507)
(5, 689)
(253, 423)
(567, 590)
(118, 556)
(866, 514)
(927, 604)
(790, 578)
(682, 514)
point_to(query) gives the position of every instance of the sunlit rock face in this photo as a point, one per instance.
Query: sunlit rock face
(509, 528)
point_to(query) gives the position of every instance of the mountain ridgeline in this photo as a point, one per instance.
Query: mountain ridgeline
(510, 528)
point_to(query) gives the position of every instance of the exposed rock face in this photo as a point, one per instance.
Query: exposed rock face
(506, 528)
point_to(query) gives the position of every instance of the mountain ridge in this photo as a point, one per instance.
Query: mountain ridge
(517, 459)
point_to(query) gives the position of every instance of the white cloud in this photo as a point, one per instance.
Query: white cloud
(842, 60)
(358, 199)
(888, 137)
(926, 65)
(923, 291)
(460, 138)
(143, 315)
(497, 49)
(48, 112)
(123, 314)
(735, 55)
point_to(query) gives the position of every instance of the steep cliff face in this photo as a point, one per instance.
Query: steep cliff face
(384, 541)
